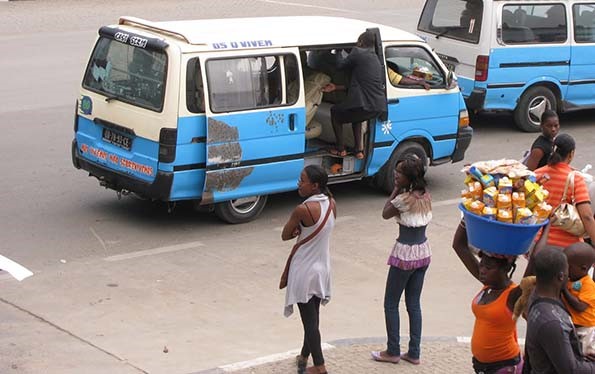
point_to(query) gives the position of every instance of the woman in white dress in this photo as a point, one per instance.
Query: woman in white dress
(309, 276)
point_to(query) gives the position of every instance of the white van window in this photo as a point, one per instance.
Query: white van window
(195, 99)
(584, 23)
(126, 73)
(455, 19)
(412, 62)
(534, 23)
(247, 83)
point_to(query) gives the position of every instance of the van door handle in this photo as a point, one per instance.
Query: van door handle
(292, 122)
(393, 101)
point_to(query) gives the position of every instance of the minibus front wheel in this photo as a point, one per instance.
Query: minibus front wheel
(531, 106)
(240, 210)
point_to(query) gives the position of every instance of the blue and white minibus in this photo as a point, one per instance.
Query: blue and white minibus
(225, 112)
(523, 56)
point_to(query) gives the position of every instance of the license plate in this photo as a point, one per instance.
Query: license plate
(116, 138)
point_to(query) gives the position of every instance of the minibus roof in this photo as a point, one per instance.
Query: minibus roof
(268, 31)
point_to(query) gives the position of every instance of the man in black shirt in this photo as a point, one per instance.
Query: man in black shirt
(551, 345)
(543, 145)
(366, 98)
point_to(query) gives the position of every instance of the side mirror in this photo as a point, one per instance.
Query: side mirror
(451, 79)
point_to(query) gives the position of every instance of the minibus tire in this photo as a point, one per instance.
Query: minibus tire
(533, 96)
(403, 149)
(229, 212)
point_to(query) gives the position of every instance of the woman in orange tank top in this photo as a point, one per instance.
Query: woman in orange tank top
(494, 342)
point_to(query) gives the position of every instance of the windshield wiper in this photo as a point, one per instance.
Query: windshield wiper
(110, 97)
(443, 33)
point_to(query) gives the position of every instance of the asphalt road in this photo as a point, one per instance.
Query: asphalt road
(116, 281)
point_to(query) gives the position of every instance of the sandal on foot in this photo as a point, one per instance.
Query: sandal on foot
(359, 155)
(337, 152)
(314, 370)
(414, 361)
(382, 356)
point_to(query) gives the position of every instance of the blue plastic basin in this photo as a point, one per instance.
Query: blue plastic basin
(499, 237)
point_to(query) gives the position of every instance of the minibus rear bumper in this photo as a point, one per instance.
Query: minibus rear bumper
(476, 100)
(159, 189)
(463, 140)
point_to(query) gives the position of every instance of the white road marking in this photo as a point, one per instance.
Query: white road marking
(308, 6)
(99, 238)
(154, 251)
(266, 359)
(18, 271)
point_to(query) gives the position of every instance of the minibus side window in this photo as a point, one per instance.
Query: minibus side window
(453, 19)
(534, 23)
(195, 100)
(245, 83)
(413, 63)
(584, 23)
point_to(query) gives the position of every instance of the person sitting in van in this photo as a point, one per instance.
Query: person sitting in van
(365, 97)
(397, 79)
(542, 147)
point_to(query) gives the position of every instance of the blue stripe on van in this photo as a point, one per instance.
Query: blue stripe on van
(512, 69)
(137, 162)
(189, 164)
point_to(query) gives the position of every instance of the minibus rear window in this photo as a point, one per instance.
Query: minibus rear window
(126, 73)
(454, 19)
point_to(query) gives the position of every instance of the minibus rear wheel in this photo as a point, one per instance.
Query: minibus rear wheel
(240, 210)
(387, 175)
(531, 106)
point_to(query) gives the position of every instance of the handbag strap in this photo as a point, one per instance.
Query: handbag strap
(569, 182)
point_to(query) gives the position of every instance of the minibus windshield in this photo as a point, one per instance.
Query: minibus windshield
(126, 73)
(455, 19)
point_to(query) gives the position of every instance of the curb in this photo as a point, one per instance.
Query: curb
(333, 344)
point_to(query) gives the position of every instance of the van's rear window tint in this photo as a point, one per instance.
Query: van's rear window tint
(454, 19)
(126, 73)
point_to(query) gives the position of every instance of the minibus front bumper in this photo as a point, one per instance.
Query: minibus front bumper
(159, 189)
(463, 140)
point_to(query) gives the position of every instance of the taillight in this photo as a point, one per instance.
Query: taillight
(463, 118)
(481, 68)
(76, 116)
(167, 144)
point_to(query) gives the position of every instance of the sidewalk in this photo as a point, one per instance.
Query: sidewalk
(439, 355)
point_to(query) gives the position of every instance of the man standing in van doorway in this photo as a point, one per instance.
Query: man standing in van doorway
(366, 98)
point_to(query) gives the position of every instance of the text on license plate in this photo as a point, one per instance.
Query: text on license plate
(116, 138)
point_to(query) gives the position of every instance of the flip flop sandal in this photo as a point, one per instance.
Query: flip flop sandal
(359, 155)
(414, 361)
(336, 152)
(376, 356)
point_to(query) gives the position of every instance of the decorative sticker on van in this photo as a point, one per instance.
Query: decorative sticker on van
(243, 44)
(86, 105)
(117, 160)
(387, 127)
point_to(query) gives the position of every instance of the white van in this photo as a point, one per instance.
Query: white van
(523, 56)
(225, 112)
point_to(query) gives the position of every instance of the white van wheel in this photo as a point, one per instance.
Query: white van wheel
(387, 176)
(531, 106)
(240, 210)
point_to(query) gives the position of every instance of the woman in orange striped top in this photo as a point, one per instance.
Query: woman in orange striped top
(494, 342)
(558, 168)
